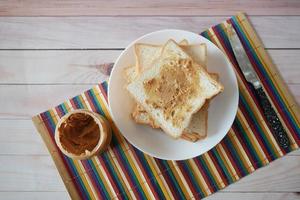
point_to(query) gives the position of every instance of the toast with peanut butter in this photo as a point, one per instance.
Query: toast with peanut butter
(198, 126)
(173, 89)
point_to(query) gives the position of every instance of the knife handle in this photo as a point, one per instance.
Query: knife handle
(272, 119)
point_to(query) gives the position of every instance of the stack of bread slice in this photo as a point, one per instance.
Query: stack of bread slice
(172, 88)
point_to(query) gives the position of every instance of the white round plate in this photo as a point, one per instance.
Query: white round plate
(222, 108)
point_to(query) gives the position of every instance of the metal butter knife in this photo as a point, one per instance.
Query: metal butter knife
(250, 75)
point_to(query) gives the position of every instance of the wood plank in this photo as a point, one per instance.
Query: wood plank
(287, 62)
(29, 173)
(272, 177)
(38, 173)
(84, 66)
(33, 99)
(118, 32)
(20, 137)
(256, 196)
(63, 195)
(216, 196)
(55, 67)
(24, 101)
(144, 7)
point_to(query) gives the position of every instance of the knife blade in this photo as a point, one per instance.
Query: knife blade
(250, 75)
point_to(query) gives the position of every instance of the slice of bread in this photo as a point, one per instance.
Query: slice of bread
(147, 53)
(198, 126)
(203, 87)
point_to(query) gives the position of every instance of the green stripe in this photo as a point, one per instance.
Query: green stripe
(246, 137)
(132, 174)
(208, 173)
(262, 134)
(192, 175)
(223, 166)
(148, 169)
(99, 179)
(114, 174)
(236, 155)
(174, 181)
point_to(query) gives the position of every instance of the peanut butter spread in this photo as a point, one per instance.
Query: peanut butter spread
(176, 84)
(78, 133)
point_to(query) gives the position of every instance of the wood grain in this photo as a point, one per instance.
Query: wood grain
(30, 100)
(118, 32)
(45, 195)
(29, 173)
(256, 196)
(145, 7)
(84, 66)
(38, 173)
(20, 137)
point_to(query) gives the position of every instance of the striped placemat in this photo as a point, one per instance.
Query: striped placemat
(123, 172)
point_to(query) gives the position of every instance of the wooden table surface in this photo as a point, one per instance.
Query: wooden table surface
(52, 50)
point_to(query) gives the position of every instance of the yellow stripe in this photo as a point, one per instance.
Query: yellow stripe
(242, 153)
(89, 184)
(178, 179)
(227, 162)
(252, 138)
(156, 173)
(261, 121)
(231, 138)
(139, 174)
(181, 177)
(104, 178)
(213, 170)
(161, 177)
(199, 178)
(215, 39)
(123, 177)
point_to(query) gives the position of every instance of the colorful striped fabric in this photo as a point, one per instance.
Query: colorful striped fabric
(123, 172)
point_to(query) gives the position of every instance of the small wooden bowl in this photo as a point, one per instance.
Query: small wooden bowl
(104, 140)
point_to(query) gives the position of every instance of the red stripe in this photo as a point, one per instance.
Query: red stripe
(148, 179)
(103, 92)
(218, 168)
(209, 184)
(169, 182)
(255, 132)
(115, 188)
(244, 147)
(87, 171)
(238, 173)
(187, 179)
(90, 101)
(124, 170)
(60, 114)
(73, 103)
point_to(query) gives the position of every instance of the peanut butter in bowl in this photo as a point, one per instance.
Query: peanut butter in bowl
(81, 134)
